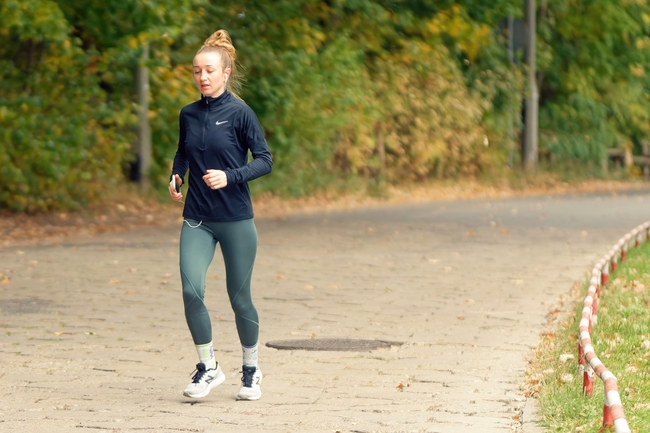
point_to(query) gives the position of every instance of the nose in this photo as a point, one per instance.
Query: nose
(204, 76)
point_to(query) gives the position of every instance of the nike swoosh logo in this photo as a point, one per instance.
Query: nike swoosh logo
(221, 123)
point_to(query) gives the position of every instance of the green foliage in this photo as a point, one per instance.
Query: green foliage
(366, 89)
(594, 92)
(61, 143)
(346, 90)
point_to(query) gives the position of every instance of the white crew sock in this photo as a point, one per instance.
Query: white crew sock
(250, 355)
(206, 355)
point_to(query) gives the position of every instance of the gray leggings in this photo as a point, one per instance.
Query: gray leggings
(238, 241)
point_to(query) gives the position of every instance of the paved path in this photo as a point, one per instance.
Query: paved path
(93, 336)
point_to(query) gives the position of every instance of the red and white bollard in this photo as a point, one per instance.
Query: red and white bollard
(592, 301)
(613, 413)
(588, 381)
(608, 421)
(634, 234)
(623, 244)
(604, 272)
(581, 357)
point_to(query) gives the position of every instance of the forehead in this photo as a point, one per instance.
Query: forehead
(202, 60)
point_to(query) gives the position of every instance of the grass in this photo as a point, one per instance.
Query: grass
(621, 339)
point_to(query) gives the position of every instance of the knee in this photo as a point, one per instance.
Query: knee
(242, 307)
(191, 295)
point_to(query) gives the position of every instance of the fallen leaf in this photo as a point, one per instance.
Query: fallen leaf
(312, 335)
(280, 277)
(566, 378)
(129, 292)
(309, 287)
(113, 281)
(59, 333)
(460, 317)
(469, 301)
(565, 357)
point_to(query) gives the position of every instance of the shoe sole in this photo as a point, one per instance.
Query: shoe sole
(249, 398)
(216, 382)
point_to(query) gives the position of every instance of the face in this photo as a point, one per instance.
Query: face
(209, 76)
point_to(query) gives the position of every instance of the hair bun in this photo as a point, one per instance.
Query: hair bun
(221, 39)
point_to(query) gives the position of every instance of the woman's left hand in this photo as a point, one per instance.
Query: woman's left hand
(215, 179)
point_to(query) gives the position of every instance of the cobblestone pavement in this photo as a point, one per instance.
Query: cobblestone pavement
(93, 337)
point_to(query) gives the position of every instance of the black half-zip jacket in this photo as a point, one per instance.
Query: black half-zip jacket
(217, 133)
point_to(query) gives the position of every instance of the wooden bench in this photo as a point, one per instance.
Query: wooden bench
(624, 157)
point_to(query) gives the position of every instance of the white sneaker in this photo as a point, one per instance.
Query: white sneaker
(203, 381)
(250, 387)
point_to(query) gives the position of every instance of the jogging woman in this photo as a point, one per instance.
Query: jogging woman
(216, 134)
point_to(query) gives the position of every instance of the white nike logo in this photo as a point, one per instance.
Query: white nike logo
(220, 123)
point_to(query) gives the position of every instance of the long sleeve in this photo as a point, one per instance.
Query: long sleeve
(251, 134)
(181, 163)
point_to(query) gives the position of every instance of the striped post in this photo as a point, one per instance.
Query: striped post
(604, 275)
(607, 414)
(623, 244)
(614, 403)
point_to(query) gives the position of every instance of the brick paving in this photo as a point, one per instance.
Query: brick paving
(93, 337)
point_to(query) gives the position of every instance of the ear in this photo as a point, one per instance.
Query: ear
(226, 72)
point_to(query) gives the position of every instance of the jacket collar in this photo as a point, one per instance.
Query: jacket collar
(211, 102)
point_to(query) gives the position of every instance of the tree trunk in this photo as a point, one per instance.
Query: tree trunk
(144, 151)
(530, 148)
(381, 149)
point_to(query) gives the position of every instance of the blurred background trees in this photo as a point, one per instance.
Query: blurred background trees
(349, 92)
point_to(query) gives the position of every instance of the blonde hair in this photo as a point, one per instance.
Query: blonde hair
(220, 43)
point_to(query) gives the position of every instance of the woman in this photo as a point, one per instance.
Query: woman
(216, 134)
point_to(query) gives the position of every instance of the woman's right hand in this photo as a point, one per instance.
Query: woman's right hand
(176, 196)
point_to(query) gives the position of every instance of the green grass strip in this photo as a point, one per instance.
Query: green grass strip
(621, 339)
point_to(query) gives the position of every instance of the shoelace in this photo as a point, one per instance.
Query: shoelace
(247, 376)
(200, 371)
